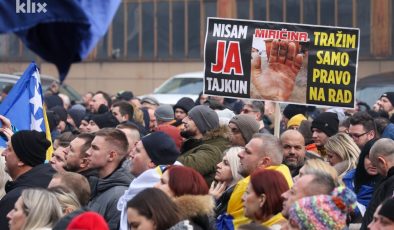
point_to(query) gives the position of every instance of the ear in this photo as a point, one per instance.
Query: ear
(266, 161)
(20, 163)
(112, 156)
(382, 162)
(262, 200)
(83, 162)
(151, 165)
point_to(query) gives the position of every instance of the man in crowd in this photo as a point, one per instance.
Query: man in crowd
(324, 126)
(382, 156)
(255, 109)
(148, 160)
(202, 127)
(386, 103)
(100, 103)
(362, 128)
(241, 129)
(293, 145)
(124, 113)
(106, 154)
(181, 109)
(307, 185)
(76, 157)
(262, 151)
(24, 160)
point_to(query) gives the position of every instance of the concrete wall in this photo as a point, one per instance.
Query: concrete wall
(144, 77)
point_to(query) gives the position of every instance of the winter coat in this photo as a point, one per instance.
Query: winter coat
(388, 132)
(364, 195)
(195, 211)
(235, 208)
(207, 155)
(106, 194)
(38, 176)
(383, 191)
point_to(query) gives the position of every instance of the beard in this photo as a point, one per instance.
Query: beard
(187, 134)
(71, 168)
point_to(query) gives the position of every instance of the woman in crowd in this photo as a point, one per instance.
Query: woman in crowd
(263, 201)
(190, 192)
(35, 209)
(323, 212)
(313, 166)
(362, 181)
(226, 178)
(151, 209)
(342, 153)
(67, 199)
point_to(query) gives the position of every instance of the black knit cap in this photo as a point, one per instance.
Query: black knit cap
(326, 122)
(390, 96)
(105, 120)
(30, 146)
(161, 148)
(387, 209)
(292, 110)
(185, 103)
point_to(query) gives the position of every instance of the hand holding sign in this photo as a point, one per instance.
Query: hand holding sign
(276, 82)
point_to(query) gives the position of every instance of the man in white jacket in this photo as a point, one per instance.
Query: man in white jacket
(149, 158)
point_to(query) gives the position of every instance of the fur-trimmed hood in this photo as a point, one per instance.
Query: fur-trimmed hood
(195, 205)
(222, 131)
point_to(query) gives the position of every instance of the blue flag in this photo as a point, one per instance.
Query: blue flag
(24, 104)
(60, 31)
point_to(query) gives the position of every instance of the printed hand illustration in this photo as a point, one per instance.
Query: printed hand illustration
(277, 81)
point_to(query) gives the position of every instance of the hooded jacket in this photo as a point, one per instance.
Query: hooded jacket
(38, 176)
(204, 157)
(106, 193)
(384, 190)
(195, 211)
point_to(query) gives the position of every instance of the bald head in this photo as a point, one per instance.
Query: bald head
(293, 144)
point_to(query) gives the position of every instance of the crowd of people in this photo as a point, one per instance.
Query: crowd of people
(121, 162)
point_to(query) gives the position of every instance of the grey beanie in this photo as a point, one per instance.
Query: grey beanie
(164, 113)
(247, 125)
(205, 118)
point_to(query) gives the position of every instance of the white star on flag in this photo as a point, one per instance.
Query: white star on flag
(36, 100)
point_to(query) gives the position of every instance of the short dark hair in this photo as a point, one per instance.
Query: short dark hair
(364, 119)
(65, 138)
(106, 97)
(146, 203)
(125, 108)
(88, 138)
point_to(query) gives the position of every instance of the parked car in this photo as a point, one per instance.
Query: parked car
(369, 89)
(181, 85)
(46, 81)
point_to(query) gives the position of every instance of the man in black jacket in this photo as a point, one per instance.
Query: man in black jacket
(25, 157)
(382, 156)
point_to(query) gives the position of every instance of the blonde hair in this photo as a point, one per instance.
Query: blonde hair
(233, 160)
(344, 146)
(4, 177)
(314, 166)
(41, 207)
(138, 115)
(67, 199)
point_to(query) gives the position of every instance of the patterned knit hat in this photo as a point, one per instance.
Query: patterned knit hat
(323, 211)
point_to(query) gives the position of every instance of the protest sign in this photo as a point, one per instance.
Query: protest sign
(283, 62)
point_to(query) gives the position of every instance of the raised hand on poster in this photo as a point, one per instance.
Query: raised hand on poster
(276, 82)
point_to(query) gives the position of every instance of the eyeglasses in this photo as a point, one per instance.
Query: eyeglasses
(356, 136)
(246, 111)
